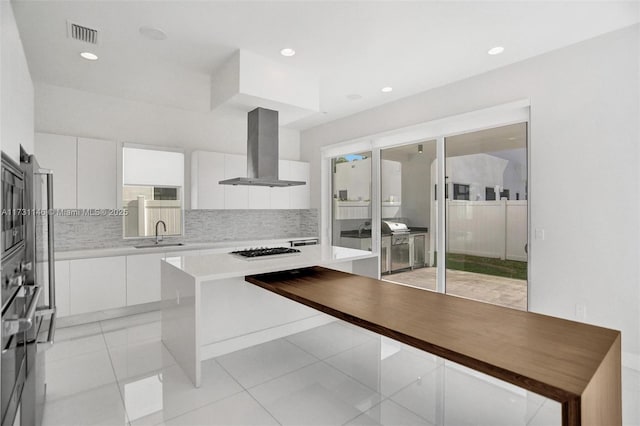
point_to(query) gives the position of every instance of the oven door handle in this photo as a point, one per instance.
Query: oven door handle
(48, 344)
(15, 326)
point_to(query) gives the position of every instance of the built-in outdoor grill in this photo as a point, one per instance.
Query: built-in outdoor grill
(258, 253)
(400, 246)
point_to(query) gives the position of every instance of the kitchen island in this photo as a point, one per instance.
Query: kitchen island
(573, 363)
(208, 309)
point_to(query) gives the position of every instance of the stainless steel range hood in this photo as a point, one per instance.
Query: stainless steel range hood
(262, 152)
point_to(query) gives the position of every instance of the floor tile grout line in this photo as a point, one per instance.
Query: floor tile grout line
(285, 374)
(264, 408)
(364, 412)
(201, 406)
(328, 356)
(191, 383)
(244, 389)
(356, 379)
(113, 368)
(528, 422)
(390, 397)
(318, 361)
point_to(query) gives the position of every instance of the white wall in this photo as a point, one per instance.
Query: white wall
(584, 109)
(16, 88)
(67, 111)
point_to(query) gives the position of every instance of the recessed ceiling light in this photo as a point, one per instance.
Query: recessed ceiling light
(287, 51)
(152, 33)
(89, 56)
(354, 97)
(387, 89)
(496, 50)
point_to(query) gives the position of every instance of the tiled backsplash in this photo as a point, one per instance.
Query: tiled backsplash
(201, 226)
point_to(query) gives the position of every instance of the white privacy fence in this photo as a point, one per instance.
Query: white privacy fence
(487, 228)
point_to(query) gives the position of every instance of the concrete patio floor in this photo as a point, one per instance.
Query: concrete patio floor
(508, 292)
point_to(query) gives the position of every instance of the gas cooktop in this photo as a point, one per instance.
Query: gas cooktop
(260, 253)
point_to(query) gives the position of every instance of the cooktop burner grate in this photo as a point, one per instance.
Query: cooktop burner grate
(255, 253)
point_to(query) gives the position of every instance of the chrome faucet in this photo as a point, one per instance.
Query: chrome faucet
(164, 225)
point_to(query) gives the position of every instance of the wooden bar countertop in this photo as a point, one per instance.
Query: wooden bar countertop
(576, 364)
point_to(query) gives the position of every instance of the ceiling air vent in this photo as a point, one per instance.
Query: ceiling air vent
(82, 33)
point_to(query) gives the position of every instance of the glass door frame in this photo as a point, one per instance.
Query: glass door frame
(496, 116)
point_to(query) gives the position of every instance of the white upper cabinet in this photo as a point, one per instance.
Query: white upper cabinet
(84, 170)
(300, 195)
(235, 196)
(259, 197)
(207, 169)
(97, 181)
(281, 196)
(58, 153)
(391, 176)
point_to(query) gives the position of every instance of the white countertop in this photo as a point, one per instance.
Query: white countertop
(224, 265)
(130, 250)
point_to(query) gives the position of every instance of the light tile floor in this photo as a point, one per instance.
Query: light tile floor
(117, 372)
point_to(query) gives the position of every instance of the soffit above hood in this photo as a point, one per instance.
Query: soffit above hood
(262, 152)
(248, 80)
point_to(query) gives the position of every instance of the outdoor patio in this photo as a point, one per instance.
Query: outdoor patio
(508, 292)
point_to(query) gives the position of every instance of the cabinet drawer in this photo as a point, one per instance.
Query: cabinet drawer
(143, 278)
(97, 284)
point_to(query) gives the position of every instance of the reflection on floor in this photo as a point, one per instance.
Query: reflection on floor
(508, 292)
(117, 372)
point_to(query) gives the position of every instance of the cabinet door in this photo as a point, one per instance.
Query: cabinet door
(280, 197)
(259, 197)
(97, 181)
(143, 278)
(391, 181)
(365, 244)
(207, 169)
(97, 284)
(300, 195)
(235, 197)
(58, 153)
(62, 288)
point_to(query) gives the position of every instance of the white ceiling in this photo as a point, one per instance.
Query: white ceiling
(508, 142)
(352, 47)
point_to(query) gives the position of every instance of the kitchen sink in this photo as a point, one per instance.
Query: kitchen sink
(152, 245)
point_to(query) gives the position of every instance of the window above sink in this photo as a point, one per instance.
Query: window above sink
(153, 182)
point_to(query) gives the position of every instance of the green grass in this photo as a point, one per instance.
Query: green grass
(487, 266)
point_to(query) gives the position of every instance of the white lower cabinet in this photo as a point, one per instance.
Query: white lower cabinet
(143, 278)
(97, 284)
(62, 287)
(356, 243)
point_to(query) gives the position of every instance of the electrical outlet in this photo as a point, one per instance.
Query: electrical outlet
(539, 234)
(581, 311)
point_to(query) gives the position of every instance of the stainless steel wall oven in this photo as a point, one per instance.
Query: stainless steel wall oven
(12, 207)
(28, 289)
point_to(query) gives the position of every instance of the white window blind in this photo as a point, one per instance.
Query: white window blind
(152, 167)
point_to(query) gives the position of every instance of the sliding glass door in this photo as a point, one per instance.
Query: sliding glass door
(407, 199)
(482, 251)
(486, 215)
(351, 201)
